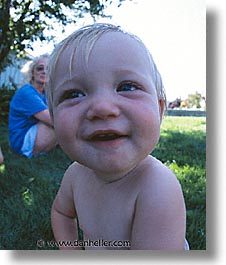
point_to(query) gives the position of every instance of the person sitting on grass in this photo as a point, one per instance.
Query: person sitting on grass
(30, 126)
(107, 100)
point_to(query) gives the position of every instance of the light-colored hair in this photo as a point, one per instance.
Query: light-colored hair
(28, 69)
(88, 35)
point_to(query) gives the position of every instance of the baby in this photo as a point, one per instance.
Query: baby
(107, 100)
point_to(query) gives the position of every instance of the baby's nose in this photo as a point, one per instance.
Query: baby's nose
(103, 108)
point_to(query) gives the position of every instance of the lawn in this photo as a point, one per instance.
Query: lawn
(28, 186)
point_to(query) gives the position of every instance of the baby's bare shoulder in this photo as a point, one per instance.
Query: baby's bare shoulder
(75, 172)
(73, 168)
(71, 179)
(64, 201)
(158, 181)
(79, 178)
(160, 209)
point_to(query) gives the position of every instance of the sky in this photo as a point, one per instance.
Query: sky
(175, 33)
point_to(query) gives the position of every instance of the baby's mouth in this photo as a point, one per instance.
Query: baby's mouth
(105, 136)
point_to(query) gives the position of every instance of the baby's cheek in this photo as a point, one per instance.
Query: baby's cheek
(60, 127)
(151, 131)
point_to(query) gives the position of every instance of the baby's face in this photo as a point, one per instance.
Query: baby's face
(107, 114)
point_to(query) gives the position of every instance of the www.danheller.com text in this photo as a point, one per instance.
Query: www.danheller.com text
(84, 243)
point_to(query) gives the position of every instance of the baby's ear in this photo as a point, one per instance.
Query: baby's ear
(161, 107)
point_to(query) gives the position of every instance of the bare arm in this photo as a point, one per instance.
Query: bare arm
(63, 216)
(64, 229)
(159, 221)
(44, 116)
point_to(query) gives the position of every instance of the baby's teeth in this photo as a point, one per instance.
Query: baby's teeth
(106, 135)
(102, 135)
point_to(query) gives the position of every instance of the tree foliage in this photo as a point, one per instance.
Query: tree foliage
(195, 100)
(25, 21)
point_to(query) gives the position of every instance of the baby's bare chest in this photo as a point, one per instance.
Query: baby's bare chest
(105, 213)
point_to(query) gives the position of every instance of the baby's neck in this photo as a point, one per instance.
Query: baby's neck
(111, 178)
(118, 176)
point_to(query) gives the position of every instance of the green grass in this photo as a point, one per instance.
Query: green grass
(28, 186)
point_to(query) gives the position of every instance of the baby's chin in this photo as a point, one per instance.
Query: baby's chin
(109, 164)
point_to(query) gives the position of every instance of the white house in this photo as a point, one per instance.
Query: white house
(12, 76)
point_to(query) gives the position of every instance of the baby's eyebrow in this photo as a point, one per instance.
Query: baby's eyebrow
(70, 80)
(62, 84)
(66, 85)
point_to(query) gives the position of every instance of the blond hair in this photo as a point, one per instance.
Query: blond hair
(88, 35)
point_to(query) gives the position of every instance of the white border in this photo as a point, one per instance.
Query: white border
(216, 192)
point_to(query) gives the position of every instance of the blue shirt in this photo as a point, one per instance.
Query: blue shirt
(26, 102)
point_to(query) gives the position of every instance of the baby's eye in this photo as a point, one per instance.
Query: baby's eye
(127, 87)
(70, 94)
